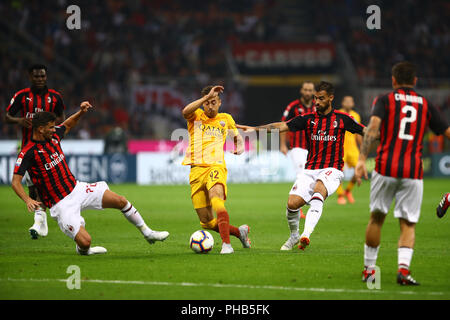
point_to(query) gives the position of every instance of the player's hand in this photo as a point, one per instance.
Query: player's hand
(214, 92)
(284, 149)
(245, 128)
(85, 106)
(239, 149)
(26, 122)
(360, 171)
(32, 204)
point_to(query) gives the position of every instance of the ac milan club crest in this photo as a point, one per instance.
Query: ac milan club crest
(334, 124)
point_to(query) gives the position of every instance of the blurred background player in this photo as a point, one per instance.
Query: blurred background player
(401, 118)
(352, 143)
(27, 102)
(66, 197)
(443, 205)
(294, 144)
(208, 131)
(325, 130)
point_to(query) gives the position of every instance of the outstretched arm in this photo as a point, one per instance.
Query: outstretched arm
(280, 126)
(72, 121)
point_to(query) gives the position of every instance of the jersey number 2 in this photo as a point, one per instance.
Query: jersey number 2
(408, 119)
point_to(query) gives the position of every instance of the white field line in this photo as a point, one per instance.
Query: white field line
(223, 285)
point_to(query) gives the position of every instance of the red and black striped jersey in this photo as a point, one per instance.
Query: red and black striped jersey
(325, 135)
(28, 102)
(296, 108)
(405, 116)
(46, 164)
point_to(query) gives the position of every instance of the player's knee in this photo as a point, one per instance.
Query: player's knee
(294, 204)
(121, 201)
(377, 217)
(84, 242)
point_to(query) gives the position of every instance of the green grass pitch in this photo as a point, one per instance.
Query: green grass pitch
(330, 268)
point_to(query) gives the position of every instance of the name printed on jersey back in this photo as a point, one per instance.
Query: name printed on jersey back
(408, 98)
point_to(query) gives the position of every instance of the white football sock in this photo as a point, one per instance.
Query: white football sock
(293, 218)
(39, 214)
(135, 218)
(313, 215)
(370, 255)
(404, 257)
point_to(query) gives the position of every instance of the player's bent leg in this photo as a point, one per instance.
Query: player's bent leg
(113, 200)
(217, 196)
(314, 213)
(341, 195)
(372, 244)
(83, 241)
(294, 205)
(39, 227)
(405, 252)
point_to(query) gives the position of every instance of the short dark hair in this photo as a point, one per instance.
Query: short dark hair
(36, 66)
(206, 90)
(305, 82)
(42, 118)
(404, 72)
(326, 86)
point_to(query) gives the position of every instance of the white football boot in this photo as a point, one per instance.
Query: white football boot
(244, 230)
(290, 243)
(156, 236)
(226, 248)
(91, 251)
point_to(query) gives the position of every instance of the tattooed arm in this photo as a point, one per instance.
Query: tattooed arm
(370, 135)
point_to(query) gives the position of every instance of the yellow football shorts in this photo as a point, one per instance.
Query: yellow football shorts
(202, 179)
(351, 158)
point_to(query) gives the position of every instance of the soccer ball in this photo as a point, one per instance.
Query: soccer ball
(201, 241)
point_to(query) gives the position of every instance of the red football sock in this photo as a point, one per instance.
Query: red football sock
(235, 231)
(223, 221)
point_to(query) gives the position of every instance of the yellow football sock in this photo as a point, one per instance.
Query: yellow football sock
(210, 225)
(340, 191)
(218, 204)
(350, 186)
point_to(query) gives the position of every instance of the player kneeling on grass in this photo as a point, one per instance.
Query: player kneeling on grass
(66, 197)
(325, 130)
(208, 130)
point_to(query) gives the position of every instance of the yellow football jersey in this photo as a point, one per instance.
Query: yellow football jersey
(207, 137)
(350, 145)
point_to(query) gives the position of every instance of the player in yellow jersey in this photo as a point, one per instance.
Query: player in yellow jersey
(208, 131)
(352, 142)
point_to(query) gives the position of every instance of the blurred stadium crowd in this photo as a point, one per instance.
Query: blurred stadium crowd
(416, 31)
(126, 43)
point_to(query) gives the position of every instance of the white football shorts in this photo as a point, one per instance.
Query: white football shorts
(306, 181)
(67, 212)
(298, 157)
(408, 195)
